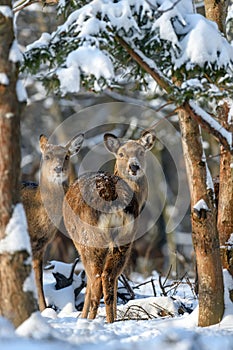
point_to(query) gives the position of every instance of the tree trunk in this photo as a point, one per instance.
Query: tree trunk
(204, 226)
(15, 303)
(225, 195)
(216, 10)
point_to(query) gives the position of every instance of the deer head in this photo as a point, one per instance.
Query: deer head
(56, 158)
(130, 155)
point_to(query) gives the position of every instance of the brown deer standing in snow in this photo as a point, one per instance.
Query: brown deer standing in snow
(100, 212)
(43, 203)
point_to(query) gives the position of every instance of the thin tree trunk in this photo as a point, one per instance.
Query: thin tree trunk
(225, 202)
(15, 303)
(204, 226)
(217, 11)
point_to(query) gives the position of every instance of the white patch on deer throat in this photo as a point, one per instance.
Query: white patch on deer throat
(58, 178)
(117, 228)
(110, 220)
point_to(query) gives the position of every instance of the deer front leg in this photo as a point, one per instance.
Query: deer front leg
(87, 301)
(115, 299)
(96, 295)
(109, 290)
(38, 270)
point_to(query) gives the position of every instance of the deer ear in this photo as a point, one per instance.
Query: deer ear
(75, 144)
(111, 142)
(147, 140)
(43, 142)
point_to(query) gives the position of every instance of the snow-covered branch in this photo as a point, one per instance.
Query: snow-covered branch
(203, 118)
(209, 124)
(147, 64)
(103, 41)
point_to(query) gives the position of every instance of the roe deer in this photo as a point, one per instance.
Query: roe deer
(43, 202)
(100, 212)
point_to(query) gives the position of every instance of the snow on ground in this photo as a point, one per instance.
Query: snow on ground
(147, 322)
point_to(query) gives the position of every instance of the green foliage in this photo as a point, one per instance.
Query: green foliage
(96, 27)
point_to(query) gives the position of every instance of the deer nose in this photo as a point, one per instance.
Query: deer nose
(134, 167)
(58, 169)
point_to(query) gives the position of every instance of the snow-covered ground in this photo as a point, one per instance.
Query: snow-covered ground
(147, 322)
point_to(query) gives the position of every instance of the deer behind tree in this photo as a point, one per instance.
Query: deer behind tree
(100, 212)
(43, 202)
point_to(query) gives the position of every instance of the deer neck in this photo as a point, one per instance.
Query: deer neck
(139, 187)
(52, 190)
(51, 195)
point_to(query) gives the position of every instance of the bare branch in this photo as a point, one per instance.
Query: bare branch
(127, 286)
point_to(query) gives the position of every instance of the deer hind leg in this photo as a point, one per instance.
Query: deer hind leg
(38, 270)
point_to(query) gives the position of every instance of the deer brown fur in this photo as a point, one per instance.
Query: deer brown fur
(43, 202)
(100, 212)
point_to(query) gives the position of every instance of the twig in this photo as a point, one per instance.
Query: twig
(153, 287)
(127, 286)
(73, 267)
(83, 284)
(142, 284)
(134, 309)
(63, 281)
(161, 308)
(191, 285)
(162, 286)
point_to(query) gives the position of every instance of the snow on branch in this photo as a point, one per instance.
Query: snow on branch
(209, 123)
(147, 64)
(173, 44)
(197, 113)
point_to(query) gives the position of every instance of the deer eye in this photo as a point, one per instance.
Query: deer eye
(67, 157)
(121, 155)
(47, 157)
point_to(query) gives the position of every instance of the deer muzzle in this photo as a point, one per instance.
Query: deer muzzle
(134, 167)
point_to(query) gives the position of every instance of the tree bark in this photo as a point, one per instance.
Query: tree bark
(216, 10)
(204, 226)
(225, 195)
(15, 303)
